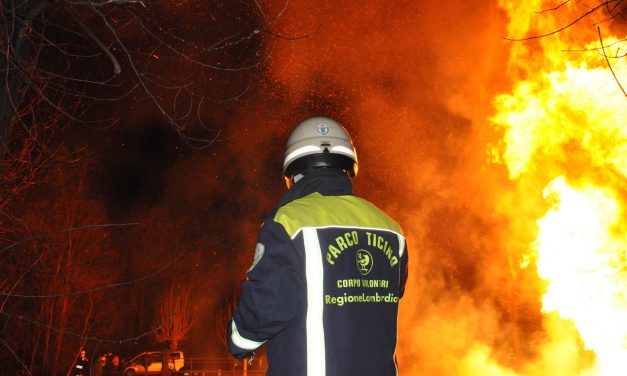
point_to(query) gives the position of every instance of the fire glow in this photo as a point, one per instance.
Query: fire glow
(564, 129)
(582, 255)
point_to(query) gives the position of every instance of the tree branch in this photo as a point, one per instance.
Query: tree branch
(581, 17)
(608, 62)
(116, 64)
(98, 288)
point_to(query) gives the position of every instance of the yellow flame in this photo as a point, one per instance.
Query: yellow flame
(578, 105)
(584, 257)
(564, 128)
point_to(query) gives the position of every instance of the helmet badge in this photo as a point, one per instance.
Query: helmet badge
(323, 129)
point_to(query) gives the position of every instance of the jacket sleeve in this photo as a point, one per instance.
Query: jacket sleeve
(271, 296)
(403, 272)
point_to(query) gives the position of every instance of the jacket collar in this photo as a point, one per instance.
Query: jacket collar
(326, 181)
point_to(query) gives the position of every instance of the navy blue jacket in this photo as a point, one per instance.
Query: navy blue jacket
(323, 291)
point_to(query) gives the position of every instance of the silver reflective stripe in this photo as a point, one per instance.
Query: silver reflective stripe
(300, 151)
(316, 365)
(241, 342)
(344, 150)
(401, 245)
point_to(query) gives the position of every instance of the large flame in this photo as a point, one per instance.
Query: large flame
(564, 129)
(413, 91)
(582, 253)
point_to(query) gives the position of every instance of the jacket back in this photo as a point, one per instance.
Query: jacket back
(323, 291)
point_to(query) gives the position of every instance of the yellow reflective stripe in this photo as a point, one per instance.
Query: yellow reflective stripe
(314, 273)
(316, 210)
(241, 342)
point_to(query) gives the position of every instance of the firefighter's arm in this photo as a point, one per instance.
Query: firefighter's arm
(403, 271)
(272, 294)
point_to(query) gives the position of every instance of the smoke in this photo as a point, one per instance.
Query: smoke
(413, 83)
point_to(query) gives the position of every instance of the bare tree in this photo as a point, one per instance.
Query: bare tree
(175, 316)
(92, 64)
(223, 314)
(86, 54)
(44, 319)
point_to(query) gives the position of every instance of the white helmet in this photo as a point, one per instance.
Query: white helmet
(319, 142)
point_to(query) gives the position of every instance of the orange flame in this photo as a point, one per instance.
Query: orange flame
(564, 128)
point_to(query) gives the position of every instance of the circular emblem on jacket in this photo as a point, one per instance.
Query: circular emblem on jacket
(323, 129)
(364, 261)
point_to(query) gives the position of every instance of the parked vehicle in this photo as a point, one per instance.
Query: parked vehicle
(149, 363)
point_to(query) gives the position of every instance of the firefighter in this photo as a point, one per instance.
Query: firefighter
(329, 269)
(81, 368)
